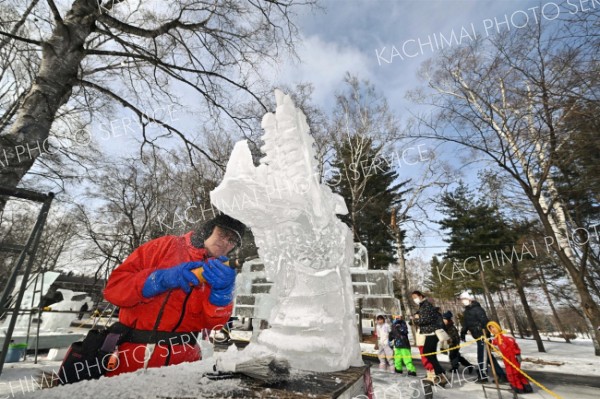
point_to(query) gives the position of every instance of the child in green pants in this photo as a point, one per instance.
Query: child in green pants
(402, 355)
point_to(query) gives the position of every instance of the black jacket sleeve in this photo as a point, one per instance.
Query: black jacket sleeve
(481, 318)
(429, 319)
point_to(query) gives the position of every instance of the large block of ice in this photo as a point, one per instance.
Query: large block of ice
(307, 251)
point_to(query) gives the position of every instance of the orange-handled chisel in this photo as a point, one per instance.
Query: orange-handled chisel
(198, 272)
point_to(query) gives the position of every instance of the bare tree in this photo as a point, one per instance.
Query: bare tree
(509, 100)
(104, 55)
(413, 213)
(361, 133)
(126, 206)
(57, 238)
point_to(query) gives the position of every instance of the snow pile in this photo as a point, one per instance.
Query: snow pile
(573, 358)
(306, 250)
(179, 381)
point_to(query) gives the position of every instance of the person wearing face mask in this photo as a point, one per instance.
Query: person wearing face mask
(420, 341)
(428, 319)
(475, 321)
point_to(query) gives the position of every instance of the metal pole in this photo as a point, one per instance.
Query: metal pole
(25, 311)
(31, 313)
(24, 193)
(359, 311)
(13, 277)
(41, 309)
(30, 248)
(491, 361)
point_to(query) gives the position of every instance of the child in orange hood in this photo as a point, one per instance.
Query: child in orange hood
(511, 352)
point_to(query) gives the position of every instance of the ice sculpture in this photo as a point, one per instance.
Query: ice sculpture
(306, 249)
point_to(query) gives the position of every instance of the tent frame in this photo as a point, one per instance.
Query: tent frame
(26, 252)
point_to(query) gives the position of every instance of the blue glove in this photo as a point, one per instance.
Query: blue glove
(218, 275)
(221, 297)
(179, 276)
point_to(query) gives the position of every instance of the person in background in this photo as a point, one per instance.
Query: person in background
(510, 351)
(475, 321)
(385, 354)
(429, 319)
(402, 355)
(164, 304)
(420, 341)
(454, 354)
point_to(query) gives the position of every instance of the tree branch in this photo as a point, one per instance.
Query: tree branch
(151, 34)
(21, 39)
(55, 11)
(141, 115)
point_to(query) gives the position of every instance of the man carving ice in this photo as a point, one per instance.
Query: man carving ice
(163, 303)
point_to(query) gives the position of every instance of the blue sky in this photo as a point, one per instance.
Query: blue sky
(348, 34)
(345, 37)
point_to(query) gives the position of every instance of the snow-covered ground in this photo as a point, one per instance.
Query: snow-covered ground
(19, 379)
(576, 357)
(573, 358)
(400, 386)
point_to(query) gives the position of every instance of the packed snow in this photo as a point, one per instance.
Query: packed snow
(576, 358)
(186, 380)
(400, 386)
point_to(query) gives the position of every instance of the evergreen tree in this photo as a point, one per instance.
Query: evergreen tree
(370, 187)
(443, 287)
(482, 241)
(476, 231)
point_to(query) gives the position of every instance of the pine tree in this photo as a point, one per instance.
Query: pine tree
(475, 233)
(443, 287)
(482, 240)
(370, 187)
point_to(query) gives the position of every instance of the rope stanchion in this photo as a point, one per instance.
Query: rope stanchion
(522, 372)
(432, 353)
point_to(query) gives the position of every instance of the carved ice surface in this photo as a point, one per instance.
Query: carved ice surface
(306, 249)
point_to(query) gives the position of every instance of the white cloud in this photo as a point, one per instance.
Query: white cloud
(324, 64)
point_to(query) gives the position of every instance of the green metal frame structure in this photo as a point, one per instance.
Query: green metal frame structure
(26, 258)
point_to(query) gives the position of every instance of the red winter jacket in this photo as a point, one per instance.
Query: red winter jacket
(510, 349)
(124, 289)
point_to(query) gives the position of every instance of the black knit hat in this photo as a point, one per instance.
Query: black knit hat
(223, 221)
(229, 223)
(448, 315)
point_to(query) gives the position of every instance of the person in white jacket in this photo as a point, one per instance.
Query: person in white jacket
(385, 354)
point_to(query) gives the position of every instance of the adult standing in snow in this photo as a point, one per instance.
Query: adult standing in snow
(429, 320)
(420, 341)
(163, 303)
(475, 321)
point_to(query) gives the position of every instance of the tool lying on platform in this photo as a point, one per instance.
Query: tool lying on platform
(267, 369)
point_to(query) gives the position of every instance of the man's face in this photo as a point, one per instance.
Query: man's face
(220, 242)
